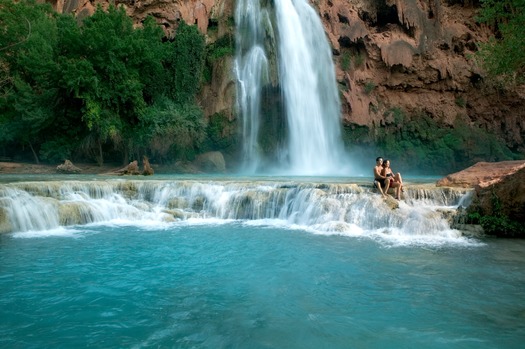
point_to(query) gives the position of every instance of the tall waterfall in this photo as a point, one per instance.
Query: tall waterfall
(252, 73)
(306, 79)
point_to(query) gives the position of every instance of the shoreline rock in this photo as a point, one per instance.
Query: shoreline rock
(498, 201)
(481, 174)
(68, 167)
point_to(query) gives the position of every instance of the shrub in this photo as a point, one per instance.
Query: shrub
(346, 61)
(369, 87)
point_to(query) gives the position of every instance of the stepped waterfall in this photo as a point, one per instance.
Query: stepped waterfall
(319, 207)
(284, 46)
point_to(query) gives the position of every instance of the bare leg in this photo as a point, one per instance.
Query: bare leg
(387, 186)
(378, 185)
(397, 187)
(400, 180)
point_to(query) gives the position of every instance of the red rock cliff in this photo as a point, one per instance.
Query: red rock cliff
(410, 54)
(416, 55)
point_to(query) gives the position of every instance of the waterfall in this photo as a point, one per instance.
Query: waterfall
(252, 73)
(306, 79)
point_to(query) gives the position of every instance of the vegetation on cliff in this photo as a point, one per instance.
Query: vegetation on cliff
(504, 54)
(98, 89)
(420, 144)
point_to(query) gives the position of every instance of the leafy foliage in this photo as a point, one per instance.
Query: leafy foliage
(97, 88)
(224, 46)
(27, 41)
(187, 63)
(421, 144)
(220, 132)
(173, 130)
(346, 61)
(504, 55)
(497, 224)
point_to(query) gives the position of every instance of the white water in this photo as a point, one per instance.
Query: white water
(252, 73)
(333, 208)
(308, 84)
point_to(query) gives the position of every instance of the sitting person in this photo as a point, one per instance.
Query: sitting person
(395, 180)
(380, 180)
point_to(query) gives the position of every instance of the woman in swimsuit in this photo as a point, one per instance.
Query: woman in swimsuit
(395, 179)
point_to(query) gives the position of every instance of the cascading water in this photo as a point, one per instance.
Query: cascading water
(327, 208)
(306, 80)
(252, 73)
(309, 85)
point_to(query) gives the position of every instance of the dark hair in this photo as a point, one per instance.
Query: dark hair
(379, 158)
(384, 161)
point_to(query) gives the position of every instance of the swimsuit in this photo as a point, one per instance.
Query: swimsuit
(381, 181)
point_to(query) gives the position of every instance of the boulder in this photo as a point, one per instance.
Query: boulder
(212, 161)
(148, 170)
(131, 169)
(503, 198)
(68, 167)
(482, 174)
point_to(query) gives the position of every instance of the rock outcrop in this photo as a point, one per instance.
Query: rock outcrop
(166, 12)
(68, 168)
(482, 174)
(498, 199)
(417, 55)
(211, 162)
(505, 198)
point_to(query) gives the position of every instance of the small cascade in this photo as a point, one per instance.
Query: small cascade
(320, 207)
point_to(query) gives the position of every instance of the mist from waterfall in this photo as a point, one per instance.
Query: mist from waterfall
(306, 80)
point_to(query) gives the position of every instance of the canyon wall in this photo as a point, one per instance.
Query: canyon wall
(415, 55)
(418, 55)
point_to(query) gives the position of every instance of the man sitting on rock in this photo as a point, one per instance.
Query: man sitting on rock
(380, 181)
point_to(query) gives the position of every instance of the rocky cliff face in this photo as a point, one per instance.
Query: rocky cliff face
(203, 13)
(417, 55)
(409, 54)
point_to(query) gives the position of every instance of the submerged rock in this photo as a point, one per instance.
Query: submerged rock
(391, 202)
(71, 213)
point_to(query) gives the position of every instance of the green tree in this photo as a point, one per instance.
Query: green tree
(119, 71)
(101, 86)
(173, 130)
(186, 63)
(28, 40)
(504, 54)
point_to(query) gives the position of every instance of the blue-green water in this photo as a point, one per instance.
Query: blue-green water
(251, 285)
